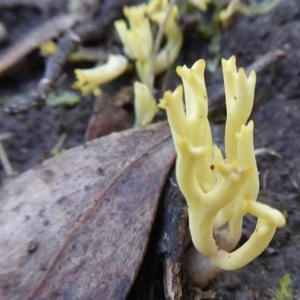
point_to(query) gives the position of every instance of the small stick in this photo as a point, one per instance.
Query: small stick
(3, 157)
(60, 142)
(265, 176)
(266, 150)
(50, 29)
(265, 60)
(157, 42)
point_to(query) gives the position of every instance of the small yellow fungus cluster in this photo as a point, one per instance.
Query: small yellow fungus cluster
(219, 191)
(138, 39)
(139, 46)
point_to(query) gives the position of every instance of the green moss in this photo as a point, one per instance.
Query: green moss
(57, 151)
(63, 98)
(284, 291)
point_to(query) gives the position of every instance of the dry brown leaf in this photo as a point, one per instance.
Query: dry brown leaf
(77, 226)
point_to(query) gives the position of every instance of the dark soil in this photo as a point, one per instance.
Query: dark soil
(276, 117)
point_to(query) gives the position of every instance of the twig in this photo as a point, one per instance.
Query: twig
(265, 176)
(49, 30)
(261, 151)
(157, 42)
(60, 142)
(3, 157)
(266, 60)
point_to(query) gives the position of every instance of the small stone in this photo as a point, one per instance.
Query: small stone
(32, 247)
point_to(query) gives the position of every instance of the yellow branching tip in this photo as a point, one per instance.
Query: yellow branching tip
(188, 150)
(199, 66)
(162, 104)
(265, 212)
(229, 64)
(169, 97)
(180, 70)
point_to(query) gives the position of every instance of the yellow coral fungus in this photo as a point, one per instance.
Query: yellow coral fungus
(89, 80)
(145, 106)
(138, 40)
(138, 45)
(219, 191)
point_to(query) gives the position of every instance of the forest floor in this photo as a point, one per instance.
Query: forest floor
(276, 116)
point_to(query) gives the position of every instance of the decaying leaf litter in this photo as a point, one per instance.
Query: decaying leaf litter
(64, 220)
(275, 115)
